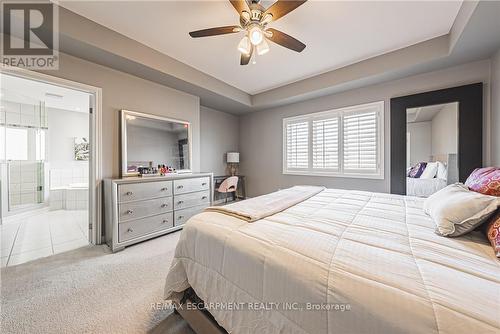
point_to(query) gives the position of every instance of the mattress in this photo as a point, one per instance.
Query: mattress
(423, 187)
(338, 262)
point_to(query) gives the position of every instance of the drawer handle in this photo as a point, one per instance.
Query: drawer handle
(165, 221)
(164, 205)
(204, 197)
(180, 187)
(180, 202)
(129, 193)
(130, 230)
(204, 184)
(164, 189)
(180, 217)
(129, 212)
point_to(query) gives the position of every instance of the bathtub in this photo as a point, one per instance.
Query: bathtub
(78, 186)
(73, 196)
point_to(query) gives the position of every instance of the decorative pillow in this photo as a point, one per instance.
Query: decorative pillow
(417, 170)
(430, 171)
(492, 231)
(457, 211)
(485, 181)
(408, 171)
(442, 172)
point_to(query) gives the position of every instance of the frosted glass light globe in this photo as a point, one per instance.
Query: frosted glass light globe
(256, 35)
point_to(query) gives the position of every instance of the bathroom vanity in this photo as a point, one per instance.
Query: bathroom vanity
(141, 208)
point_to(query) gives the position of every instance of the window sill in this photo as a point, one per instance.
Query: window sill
(326, 174)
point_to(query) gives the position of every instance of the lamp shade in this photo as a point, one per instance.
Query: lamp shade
(233, 157)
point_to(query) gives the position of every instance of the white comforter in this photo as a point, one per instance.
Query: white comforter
(423, 187)
(377, 253)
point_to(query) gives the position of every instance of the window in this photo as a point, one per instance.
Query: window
(325, 145)
(40, 145)
(17, 144)
(297, 141)
(345, 142)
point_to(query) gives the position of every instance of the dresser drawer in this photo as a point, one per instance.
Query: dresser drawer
(191, 199)
(138, 228)
(140, 209)
(144, 190)
(182, 216)
(191, 185)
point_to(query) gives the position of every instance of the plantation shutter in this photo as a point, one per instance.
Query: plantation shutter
(325, 144)
(297, 142)
(360, 142)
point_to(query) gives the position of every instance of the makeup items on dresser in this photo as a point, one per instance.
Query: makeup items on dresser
(148, 171)
(161, 170)
(164, 170)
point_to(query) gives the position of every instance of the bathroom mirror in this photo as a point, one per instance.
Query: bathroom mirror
(150, 141)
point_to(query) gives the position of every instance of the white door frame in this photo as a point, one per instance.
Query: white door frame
(95, 179)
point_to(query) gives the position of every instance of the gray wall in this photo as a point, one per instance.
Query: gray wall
(420, 142)
(445, 130)
(495, 109)
(124, 91)
(261, 132)
(219, 135)
(148, 143)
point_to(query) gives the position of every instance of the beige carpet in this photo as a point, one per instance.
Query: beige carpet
(91, 290)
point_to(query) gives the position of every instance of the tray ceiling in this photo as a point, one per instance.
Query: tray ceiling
(337, 34)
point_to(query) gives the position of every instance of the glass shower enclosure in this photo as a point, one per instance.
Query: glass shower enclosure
(23, 130)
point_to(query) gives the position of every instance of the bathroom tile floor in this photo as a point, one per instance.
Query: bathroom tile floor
(29, 236)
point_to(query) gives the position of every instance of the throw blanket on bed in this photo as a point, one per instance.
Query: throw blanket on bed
(267, 205)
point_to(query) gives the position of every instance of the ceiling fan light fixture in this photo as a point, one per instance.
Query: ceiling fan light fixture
(256, 35)
(263, 48)
(267, 18)
(253, 22)
(246, 16)
(244, 46)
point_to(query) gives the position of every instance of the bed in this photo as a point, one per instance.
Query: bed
(421, 187)
(424, 187)
(338, 262)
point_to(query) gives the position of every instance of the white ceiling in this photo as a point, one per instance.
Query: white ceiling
(21, 90)
(427, 113)
(337, 33)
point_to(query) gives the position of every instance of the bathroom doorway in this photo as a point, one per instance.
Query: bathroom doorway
(47, 166)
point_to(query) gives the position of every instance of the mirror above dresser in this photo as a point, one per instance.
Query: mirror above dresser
(150, 143)
(157, 192)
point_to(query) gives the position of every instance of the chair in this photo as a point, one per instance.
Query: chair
(229, 185)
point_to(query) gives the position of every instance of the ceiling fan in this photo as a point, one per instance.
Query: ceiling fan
(254, 19)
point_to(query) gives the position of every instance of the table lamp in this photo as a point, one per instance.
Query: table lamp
(233, 158)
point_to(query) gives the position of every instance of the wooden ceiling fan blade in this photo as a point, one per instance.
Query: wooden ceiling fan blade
(240, 6)
(245, 59)
(214, 31)
(285, 40)
(282, 7)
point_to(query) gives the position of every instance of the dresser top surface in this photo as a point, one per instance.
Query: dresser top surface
(173, 176)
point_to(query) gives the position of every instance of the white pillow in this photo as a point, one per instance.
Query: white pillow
(430, 170)
(442, 172)
(456, 210)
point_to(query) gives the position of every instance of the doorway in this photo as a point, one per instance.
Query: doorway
(48, 166)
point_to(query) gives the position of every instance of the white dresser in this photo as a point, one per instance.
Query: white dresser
(139, 208)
